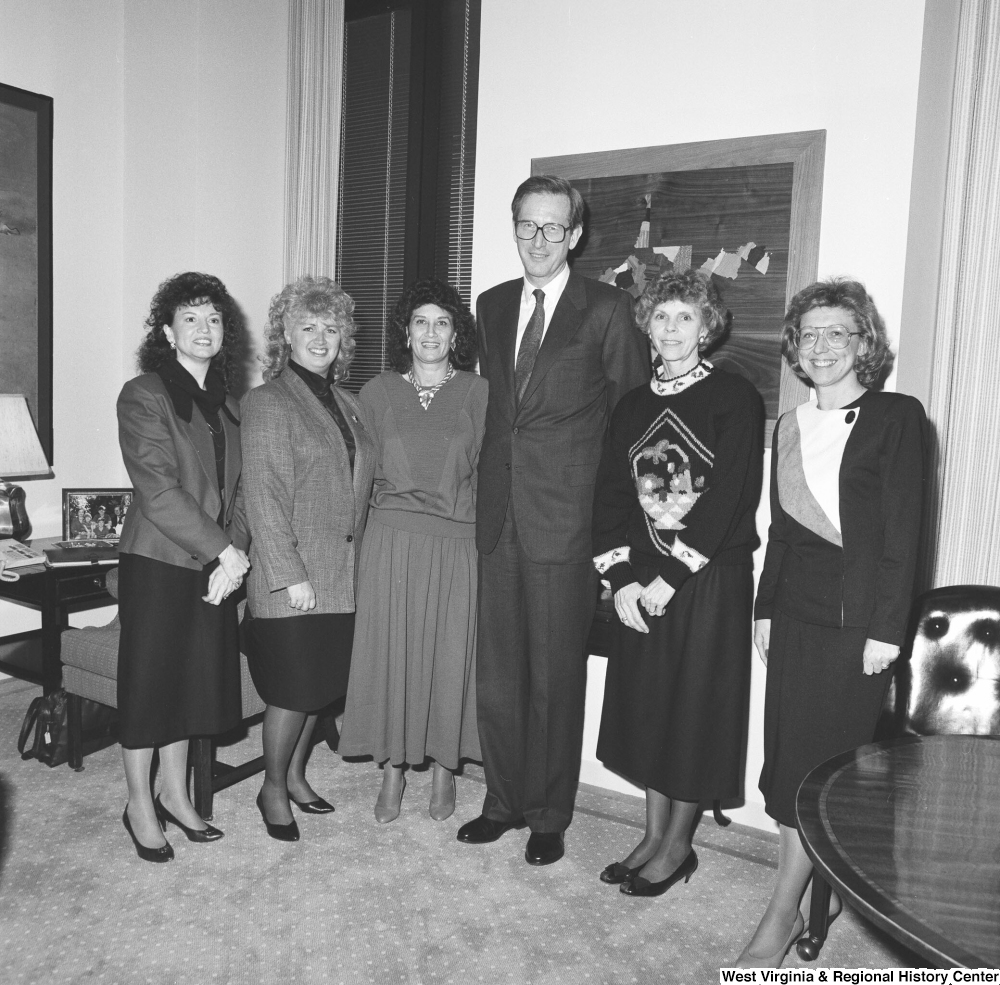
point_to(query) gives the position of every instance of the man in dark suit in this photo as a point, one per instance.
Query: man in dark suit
(559, 350)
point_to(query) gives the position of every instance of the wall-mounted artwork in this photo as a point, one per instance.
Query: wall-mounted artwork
(26, 253)
(745, 211)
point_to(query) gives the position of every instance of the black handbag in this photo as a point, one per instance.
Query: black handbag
(46, 715)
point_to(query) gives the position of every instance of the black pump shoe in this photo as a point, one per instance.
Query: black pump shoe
(317, 806)
(280, 832)
(162, 854)
(208, 833)
(638, 886)
(618, 872)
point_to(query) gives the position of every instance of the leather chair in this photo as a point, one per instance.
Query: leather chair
(946, 682)
(90, 670)
(948, 679)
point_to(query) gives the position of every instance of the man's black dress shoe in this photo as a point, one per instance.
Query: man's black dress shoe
(544, 848)
(484, 829)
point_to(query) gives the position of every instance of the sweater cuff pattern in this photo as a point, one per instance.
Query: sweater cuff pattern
(618, 576)
(612, 557)
(688, 556)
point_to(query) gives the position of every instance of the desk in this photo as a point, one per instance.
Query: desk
(909, 831)
(55, 592)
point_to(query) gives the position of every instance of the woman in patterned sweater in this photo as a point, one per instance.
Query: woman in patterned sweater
(674, 535)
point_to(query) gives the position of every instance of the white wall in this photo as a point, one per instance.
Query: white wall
(635, 74)
(205, 89)
(168, 155)
(74, 53)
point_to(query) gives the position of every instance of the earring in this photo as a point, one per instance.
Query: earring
(407, 341)
(452, 344)
(172, 345)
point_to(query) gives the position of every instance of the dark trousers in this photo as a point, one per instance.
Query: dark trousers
(531, 672)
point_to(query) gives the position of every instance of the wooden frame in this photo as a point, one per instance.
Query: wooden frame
(26, 253)
(804, 151)
(113, 502)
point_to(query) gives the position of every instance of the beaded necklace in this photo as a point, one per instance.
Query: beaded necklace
(425, 394)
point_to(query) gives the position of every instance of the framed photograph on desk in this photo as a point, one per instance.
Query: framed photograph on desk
(94, 516)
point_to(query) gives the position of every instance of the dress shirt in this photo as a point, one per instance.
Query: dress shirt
(553, 292)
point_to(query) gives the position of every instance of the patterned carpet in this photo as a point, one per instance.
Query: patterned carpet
(355, 902)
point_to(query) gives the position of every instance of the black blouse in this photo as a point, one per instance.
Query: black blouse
(322, 388)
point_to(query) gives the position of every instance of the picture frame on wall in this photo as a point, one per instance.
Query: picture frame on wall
(26, 253)
(93, 516)
(746, 211)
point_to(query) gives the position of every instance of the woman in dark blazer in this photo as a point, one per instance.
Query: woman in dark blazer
(182, 553)
(309, 465)
(847, 483)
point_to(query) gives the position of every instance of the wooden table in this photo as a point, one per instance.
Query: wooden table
(55, 592)
(909, 831)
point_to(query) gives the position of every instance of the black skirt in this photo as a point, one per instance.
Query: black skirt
(676, 700)
(178, 656)
(302, 662)
(818, 702)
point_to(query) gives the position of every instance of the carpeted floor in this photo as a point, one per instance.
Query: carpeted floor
(356, 902)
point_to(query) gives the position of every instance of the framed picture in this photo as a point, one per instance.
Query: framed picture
(26, 253)
(94, 516)
(745, 211)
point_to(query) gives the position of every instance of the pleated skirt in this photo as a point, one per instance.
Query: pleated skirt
(676, 700)
(178, 656)
(299, 662)
(818, 702)
(412, 688)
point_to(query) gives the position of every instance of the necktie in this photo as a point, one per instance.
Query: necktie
(530, 343)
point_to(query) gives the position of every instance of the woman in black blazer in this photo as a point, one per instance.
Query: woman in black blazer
(847, 481)
(182, 553)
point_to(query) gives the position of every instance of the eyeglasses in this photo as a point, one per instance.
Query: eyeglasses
(836, 337)
(552, 231)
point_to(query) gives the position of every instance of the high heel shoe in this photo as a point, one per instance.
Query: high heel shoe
(618, 872)
(748, 960)
(384, 813)
(442, 808)
(639, 886)
(162, 854)
(317, 806)
(207, 833)
(280, 832)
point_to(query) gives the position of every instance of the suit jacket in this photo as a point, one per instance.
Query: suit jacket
(869, 582)
(544, 454)
(306, 511)
(172, 467)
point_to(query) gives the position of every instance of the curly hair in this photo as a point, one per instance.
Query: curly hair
(317, 296)
(182, 290)
(549, 184)
(431, 291)
(691, 287)
(874, 358)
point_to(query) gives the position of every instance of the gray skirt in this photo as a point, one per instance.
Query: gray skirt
(412, 688)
